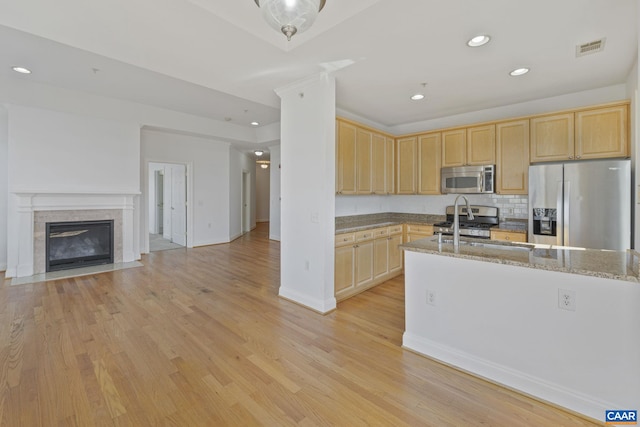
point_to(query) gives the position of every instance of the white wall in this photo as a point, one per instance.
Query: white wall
(239, 163)
(544, 105)
(308, 187)
(503, 322)
(274, 194)
(263, 184)
(4, 174)
(207, 182)
(53, 151)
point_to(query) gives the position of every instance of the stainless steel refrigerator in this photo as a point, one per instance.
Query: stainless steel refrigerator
(583, 204)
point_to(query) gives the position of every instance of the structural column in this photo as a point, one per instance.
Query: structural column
(308, 192)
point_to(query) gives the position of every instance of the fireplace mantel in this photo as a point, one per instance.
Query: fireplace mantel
(23, 244)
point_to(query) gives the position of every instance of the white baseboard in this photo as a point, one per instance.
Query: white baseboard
(533, 386)
(314, 304)
(274, 237)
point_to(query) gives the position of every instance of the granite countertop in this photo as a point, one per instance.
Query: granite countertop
(512, 226)
(349, 224)
(617, 265)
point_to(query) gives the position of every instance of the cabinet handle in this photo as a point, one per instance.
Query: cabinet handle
(577, 157)
(507, 238)
(571, 157)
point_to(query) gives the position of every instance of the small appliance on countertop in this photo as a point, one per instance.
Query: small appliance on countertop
(484, 217)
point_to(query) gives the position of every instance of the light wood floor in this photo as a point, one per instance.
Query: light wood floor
(200, 338)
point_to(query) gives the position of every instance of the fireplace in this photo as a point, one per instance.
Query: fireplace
(74, 244)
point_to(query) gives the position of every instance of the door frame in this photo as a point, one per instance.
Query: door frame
(145, 201)
(245, 202)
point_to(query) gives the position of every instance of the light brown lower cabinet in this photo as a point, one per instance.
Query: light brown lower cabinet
(508, 236)
(417, 232)
(366, 258)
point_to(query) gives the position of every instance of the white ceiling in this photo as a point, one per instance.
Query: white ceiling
(217, 58)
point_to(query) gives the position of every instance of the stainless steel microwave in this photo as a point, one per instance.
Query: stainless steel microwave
(467, 179)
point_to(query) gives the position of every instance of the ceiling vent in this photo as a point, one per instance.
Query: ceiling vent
(589, 48)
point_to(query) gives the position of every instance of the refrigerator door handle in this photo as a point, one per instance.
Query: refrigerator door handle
(565, 213)
(560, 226)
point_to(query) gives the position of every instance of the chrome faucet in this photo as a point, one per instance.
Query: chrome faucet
(456, 220)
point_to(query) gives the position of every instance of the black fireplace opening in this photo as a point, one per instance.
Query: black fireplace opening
(78, 244)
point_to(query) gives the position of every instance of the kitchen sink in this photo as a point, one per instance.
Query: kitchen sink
(505, 247)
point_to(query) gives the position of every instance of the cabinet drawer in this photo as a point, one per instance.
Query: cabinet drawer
(420, 229)
(380, 232)
(345, 239)
(362, 236)
(395, 229)
(508, 236)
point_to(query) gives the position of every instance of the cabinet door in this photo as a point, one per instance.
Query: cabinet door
(380, 257)
(552, 138)
(390, 163)
(512, 153)
(454, 148)
(395, 253)
(363, 162)
(346, 162)
(481, 145)
(364, 263)
(344, 269)
(407, 165)
(508, 236)
(379, 160)
(429, 160)
(602, 133)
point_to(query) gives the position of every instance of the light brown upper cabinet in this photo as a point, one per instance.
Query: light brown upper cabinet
(552, 138)
(602, 132)
(383, 160)
(346, 158)
(406, 166)
(481, 145)
(512, 155)
(429, 160)
(454, 147)
(363, 162)
(587, 134)
(470, 146)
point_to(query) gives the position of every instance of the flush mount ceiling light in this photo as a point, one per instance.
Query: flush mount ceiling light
(258, 153)
(519, 72)
(479, 40)
(290, 16)
(21, 70)
(255, 124)
(263, 163)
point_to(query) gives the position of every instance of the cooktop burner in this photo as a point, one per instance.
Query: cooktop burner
(485, 217)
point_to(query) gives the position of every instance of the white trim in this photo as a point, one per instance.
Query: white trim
(315, 304)
(545, 390)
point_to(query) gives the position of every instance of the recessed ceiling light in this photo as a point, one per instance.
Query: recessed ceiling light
(255, 124)
(21, 70)
(259, 153)
(479, 40)
(417, 97)
(519, 71)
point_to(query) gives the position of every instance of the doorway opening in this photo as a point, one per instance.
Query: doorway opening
(167, 206)
(245, 211)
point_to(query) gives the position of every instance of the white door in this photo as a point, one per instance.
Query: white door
(179, 204)
(246, 202)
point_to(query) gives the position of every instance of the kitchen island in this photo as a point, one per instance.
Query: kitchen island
(560, 324)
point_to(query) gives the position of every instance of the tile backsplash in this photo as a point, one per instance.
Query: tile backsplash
(509, 206)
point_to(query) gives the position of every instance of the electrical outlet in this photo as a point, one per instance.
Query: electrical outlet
(431, 297)
(567, 299)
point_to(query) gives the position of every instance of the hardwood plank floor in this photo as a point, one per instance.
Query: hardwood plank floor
(199, 337)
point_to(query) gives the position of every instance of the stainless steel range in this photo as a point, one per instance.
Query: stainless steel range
(485, 217)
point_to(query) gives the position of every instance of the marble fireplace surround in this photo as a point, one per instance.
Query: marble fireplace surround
(36, 209)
